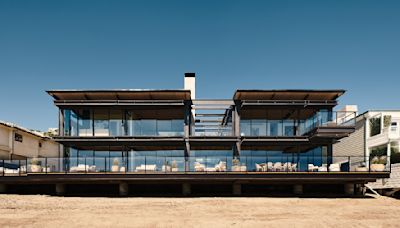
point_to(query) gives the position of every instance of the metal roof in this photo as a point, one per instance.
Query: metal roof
(120, 94)
(294, 94)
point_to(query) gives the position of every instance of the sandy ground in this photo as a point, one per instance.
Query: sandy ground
(51, 211)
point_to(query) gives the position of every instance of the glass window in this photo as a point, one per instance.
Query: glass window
(85, 123)
(149, 127)
(245, 126)
(210, 153)
(177, 127)
(101, 123)
(164, 127)
(74, 123)
(275, 128)
(85, 153)
(288, 128)
(70, 152)
(116, 123)
(129, 123)
(67, 122)
(98, 153)
(137, 127)
(258, 128)
(375, 126)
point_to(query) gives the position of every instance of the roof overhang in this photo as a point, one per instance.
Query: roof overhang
(288, 95)
(118, 95)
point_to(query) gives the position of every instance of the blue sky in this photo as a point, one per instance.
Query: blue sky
(354, 45)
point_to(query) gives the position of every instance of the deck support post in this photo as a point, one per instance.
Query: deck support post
(298, 189)
(360, 189)
(349, 189)
(123, 189)
(3, 188)
(186, 189)
(237, 189)
(60, 189)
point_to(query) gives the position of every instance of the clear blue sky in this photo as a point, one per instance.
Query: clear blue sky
(354, 45)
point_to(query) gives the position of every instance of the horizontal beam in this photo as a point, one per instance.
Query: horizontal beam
(288, 103)
(118, 102)
(213, 102)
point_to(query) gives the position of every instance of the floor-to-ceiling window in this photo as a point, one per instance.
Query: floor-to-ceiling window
(101, 122)
(85, 125)
(104, 122)
(117, 123)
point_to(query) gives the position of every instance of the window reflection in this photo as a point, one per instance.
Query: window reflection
(100, 122)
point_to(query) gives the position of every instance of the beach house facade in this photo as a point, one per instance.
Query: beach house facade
(257, 139)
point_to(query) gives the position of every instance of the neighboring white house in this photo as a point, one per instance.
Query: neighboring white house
(18, 143)
(377, 134)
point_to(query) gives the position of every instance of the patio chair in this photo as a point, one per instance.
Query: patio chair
(258, 168)
(334, 167)
(323, 168)
(198, 167)
(270, 166)
(278, 166)
(312, 168)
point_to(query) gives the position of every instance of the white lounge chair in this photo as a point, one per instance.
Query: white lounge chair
(79, 168)
(323, 168)
(270, 166)
(334, 167)
(198, 167)
(278, 167)
(143, 167)
(312, 168)
(258, 168)
(220, 167)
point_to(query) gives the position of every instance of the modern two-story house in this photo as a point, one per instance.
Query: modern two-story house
(155, 139)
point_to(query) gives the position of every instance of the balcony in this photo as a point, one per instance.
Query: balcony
(333, 125)
(301, 164)
(323, 124)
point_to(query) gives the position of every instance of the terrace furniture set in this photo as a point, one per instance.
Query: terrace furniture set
(220, 167)
(335, 167)
(276, 167)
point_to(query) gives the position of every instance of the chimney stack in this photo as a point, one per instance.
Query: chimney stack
(190, 84)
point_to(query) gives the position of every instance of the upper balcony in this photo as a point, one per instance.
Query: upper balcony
(322, 124)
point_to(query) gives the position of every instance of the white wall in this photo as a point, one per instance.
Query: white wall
(29, 147)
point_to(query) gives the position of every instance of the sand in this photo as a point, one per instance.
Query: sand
(52, 211)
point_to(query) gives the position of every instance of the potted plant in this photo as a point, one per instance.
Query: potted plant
(174, 166)
(36, 166)
(378, 164)
(235, 164)
(115, 166)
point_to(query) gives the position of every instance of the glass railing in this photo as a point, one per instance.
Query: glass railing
(288, 127)
(328, 119)
(216, 131)
(203, 164)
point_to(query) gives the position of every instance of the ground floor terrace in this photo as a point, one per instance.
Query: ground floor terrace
(165, 172)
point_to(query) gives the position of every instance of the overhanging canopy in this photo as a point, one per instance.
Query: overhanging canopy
(298, 95)
(120, 94)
